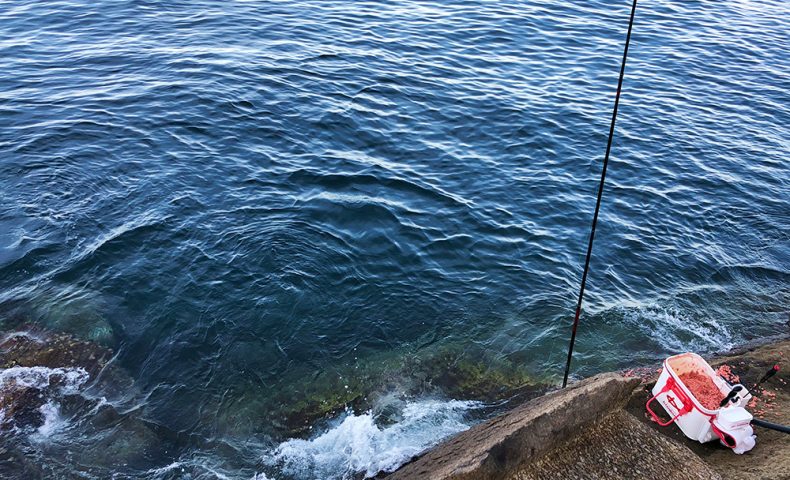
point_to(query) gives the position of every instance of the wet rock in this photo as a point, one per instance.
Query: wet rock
(322, 399)
(26, 394)
(21, 407)
(472, 376)
(37, 368)
(451, 373)
(31, 348)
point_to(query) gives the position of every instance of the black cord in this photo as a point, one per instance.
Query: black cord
(600, 193)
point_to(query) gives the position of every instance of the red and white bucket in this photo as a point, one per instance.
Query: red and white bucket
(696, 421)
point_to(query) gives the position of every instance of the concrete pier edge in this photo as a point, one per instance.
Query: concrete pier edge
(503, 445)
(597, 428)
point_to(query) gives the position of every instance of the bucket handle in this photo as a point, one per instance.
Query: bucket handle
(682, 410)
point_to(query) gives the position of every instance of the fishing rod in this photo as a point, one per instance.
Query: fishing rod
(733, 397)
(600, 194)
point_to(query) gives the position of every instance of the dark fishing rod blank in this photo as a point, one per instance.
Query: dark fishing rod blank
(771, 426)
(770, 373)
(600, 194)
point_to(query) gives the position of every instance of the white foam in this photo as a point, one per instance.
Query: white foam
(190, 466)
(356, 444)
(675, 331)
(52, 420)
(177, 467)
(68, 380)
(55, 381)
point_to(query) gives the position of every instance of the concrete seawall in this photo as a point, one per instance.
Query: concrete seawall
(597, 428)
(504, 444)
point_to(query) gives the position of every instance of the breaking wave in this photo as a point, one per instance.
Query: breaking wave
(677, 331)
(52, 384)
(65, 380)
(359, 445)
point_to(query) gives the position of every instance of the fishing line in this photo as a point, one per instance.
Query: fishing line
(600, 194)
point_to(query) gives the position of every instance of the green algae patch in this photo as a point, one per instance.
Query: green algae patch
(331, 392)
(473, 376)
(443, 372)
(323, 403)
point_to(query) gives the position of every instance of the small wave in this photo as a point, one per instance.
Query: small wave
(52, 384)
(52, 420)
(144, 222)
(676, 331)
(357, 445)
(67, 380)
(162, 472)
(200, 467)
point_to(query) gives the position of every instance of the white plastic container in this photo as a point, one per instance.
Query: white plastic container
(696, 421)
(735, 424)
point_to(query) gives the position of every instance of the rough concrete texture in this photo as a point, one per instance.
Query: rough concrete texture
(505, 445)
(770, 458)
(584, 432)
(619, 446)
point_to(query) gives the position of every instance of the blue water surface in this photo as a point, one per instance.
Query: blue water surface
(249, 200)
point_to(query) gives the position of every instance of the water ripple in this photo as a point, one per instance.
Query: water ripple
(251, 200)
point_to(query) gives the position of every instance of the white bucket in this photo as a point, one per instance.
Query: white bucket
(696, 421)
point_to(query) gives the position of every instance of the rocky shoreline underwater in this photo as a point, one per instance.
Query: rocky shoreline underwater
(53, 382)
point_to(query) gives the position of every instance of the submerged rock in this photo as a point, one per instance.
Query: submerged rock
(66, 309)
(473, 376)
(20, 407)
(38, 349)
(118, 438)
(37, 371)
(447, 373)
(44, 383)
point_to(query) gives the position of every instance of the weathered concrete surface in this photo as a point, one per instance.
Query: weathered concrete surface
(619, 446)
(505, 445)
(770, 458)
(589, 431)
